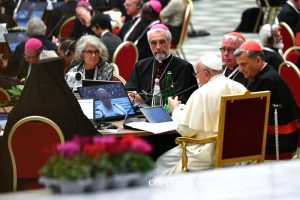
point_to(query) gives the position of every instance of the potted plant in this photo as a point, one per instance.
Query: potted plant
(102, 161)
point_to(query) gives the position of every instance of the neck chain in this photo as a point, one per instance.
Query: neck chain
(153, 67)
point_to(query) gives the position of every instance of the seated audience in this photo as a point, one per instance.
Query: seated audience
(36, 28)
(200, 117)
(262, 76)
(172, 15)
(230, 42)
(84, 15)
(45, 94)
(290, 14)
(146, 70)
(271, 40)
(92, 55)
(102, 28)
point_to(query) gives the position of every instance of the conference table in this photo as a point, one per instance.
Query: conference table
(268, 181)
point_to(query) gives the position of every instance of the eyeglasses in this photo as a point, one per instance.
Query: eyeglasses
(229, 49)
(90, 52)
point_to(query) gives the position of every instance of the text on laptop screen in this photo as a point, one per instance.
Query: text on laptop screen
(29, 10)
(111, 100)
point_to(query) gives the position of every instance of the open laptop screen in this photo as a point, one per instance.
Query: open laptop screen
(14, 38)
(111, 100)
(28, 10)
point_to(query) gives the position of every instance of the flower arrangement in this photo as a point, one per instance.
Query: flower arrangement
(89, 157)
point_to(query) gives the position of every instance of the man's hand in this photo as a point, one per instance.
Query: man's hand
(173, 103)
(135, 97)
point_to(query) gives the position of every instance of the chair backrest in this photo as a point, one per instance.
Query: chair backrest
(115, 68)
(4, 96)
(291, 74)
(292, 54)
(242, 128)
(30, 143)
(185, 24)
(288, 37)
(125, 57)
(67, 27)
(117, 77)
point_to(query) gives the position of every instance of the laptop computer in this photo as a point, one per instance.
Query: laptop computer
(28, 10)
(14, 38)
(156, 114)
(110, 99)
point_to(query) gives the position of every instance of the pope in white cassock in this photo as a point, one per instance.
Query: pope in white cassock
(199, 118)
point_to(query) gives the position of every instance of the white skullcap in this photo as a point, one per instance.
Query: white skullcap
(211, 61)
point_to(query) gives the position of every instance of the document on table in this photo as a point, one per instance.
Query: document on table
(155, 128)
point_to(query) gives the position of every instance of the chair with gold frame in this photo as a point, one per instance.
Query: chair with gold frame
(117, 77)
(288, 37)
(184, 29)
(125, 57)
(292, 54)
(243, 123)
(115, 68)
(30, 144)
(4, 96)
(67, 27)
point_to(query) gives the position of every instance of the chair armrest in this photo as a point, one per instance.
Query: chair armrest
(183, 142)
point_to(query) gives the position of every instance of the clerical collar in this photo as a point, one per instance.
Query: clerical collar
(104, 32)
(165, 60)
(294, 7)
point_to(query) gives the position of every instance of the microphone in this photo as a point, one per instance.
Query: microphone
(151, 94)
(187, 89)
(126, 119)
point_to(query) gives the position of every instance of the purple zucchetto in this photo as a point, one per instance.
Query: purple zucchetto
(155, 5)
(33, 45)
(159, 26)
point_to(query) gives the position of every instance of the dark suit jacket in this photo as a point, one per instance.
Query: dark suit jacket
(111, 41)
(288, 15)
(273, 58)
(269, 79)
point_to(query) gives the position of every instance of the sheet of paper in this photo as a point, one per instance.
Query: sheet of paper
(155, 128)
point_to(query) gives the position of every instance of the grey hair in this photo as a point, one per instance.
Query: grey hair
(91, 40)
(265, 33)
(251, 54)
(233, 38)
(36, 26)
(167, 33)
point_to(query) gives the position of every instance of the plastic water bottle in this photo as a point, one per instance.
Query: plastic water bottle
(156, 98)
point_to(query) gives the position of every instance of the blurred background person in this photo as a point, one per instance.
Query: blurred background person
(92, 55)
(290, 14)
(36, 28)
(84, 15)
(172, 15)
(102, 28)
(67, 50)
(271, 40)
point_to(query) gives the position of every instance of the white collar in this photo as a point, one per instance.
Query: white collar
(104, 32)
(293, 6)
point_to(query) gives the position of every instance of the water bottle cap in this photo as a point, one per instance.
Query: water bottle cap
(156, 80)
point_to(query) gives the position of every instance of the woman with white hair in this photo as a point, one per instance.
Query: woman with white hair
(92, 55)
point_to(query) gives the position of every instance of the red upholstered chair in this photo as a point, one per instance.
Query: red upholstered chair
(187, 18)
(291, 74)
(119, 78)
(30, 143)
(292, 54)
(67, 27)
(4, 96)
(239, 139)
(288, 36)
(125, 57)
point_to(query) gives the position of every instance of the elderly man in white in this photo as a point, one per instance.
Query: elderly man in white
(200, 116)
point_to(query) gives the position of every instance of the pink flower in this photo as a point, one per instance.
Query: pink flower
(141, 146)
(69, 148)
(110, 140)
